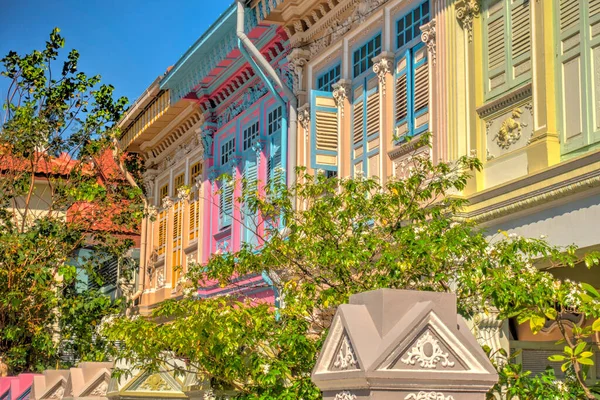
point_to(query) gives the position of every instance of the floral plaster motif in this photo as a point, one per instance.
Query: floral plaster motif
(428, 353)
(345, 396)
(341, 90)
(428, 37)
(510, 130)
(466, 11)
(428, 396)
(345, 358)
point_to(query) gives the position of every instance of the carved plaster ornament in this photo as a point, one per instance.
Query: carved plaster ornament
(304, 116)
(58, 393)
(100, 390)
(209, 395)
(341, 90)
(298, 59)
(428, 396)
(510, 130)
(345, 396)
(318, 45)
(382, 66)
(155, 384)
(345, 358)
(183, 193)
(364, 8)
(160, 278)
(466, 10)
(428, 353)
(167, 202)
(428, 37)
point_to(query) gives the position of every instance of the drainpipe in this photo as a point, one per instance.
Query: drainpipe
(264, 70)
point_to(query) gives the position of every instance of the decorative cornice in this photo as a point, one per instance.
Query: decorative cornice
(535, 198)
(466, 11)
(428, 37)
(383, 66)
(404, 148)
(505, 101)
(341, 90)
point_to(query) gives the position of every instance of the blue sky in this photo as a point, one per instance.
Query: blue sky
(128, 42)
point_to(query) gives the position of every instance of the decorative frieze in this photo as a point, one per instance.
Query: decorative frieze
(428, 396)
(466, 11)
(428, 36)
(345, 395)
(251, 96)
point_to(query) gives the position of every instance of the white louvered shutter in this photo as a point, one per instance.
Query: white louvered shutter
(358, 119)
(251, 188)
(324, 132)
(372, 113)
(226, 203)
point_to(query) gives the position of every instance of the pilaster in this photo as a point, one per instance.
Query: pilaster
(544, 147)
(341, 94)
(383, 66)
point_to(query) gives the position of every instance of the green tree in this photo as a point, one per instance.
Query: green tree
(328, 238)
(58, 184)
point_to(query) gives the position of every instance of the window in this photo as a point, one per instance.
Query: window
(250, 133)
(274, 121)
(578, 73)
(195, 172)
(326, 81)
(274, 171)
(226, 204)
(507, 45)
(179, 181)
(363, 56)
(411, 92)
(407, 27)
(177, 242)
(324, 131)
(366, 127)
(227, 150)
(164, 191)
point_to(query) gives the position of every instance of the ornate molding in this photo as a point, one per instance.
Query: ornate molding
(510, 131)
(428, 396)
(100, 390)
(428, 353)
(345, 396)
(183, 193)
(345, 358)
(251, 96)
(304, 116)
(383, 65)
(149, 180)
(298, 58)
(505, 101)
(341, 91)
(466, 11)
(428, 36)
(167, 202)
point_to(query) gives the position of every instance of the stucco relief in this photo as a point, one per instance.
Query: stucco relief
(383, 66)
(428, 37)
(304, 116)
(341, 90)
(345, 396)
(427, 352)
(466, 11)
(509, 131)
(428, 396)
(345, 358)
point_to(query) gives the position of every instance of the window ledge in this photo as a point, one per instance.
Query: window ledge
(507, 99)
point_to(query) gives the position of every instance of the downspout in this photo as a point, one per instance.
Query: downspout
(264, 70)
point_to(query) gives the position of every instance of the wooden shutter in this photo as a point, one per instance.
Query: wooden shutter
(250, 177)
(193, 221)
(162, 232)
(226, 203)
(571, 77)
(324, 132)
(520, 40)
(274, 173)
(495, 27)
(358, 120)
(372, 113)
(420, 90)
(401, 96)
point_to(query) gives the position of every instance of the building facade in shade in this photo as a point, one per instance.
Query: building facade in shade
(209, 117)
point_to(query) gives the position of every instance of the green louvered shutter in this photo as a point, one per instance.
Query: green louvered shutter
(401, 96)
(520, 41)
(495, 44)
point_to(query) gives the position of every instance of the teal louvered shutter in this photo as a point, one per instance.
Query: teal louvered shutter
(250, 192)
(324, 131)
(226, 203)
(274, 166)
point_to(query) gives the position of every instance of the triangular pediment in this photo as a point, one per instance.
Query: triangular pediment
(158, 382)
(430, 346)
(99, 386)
(57, 391)
(344, 356)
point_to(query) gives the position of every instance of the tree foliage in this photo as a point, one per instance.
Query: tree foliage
(326, 239)
(60, 191)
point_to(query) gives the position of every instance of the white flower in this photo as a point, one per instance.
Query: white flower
(266, 368)
(543, 236)
(513, 235)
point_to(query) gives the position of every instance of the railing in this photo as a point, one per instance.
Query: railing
(151, 113)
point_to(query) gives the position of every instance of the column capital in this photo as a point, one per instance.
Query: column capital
(341, 91)
(428, 37)
(383, 65)
(466, 11)
(298, 59)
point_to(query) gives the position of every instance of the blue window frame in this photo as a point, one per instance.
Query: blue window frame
(274, 121)
(250, 133)
(325, 81)
(407, 27)
(366, 127)
(363, 56)
(227, 150)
